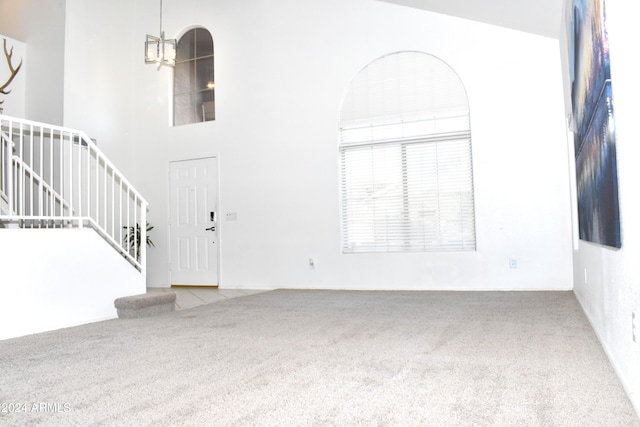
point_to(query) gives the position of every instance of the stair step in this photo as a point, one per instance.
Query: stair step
(145, 305)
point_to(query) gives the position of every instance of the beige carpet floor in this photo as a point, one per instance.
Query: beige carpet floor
(316, 358)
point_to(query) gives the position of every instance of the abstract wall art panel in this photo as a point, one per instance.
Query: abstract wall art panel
(593, 125)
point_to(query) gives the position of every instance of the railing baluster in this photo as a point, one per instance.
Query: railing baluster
(88, 183)
(113, 203)
(21, 195)
(69, 169)
(104, 189)
(120, 213)
(79, 169)
(129, 218)
(40, 187)
(30, 188)
(135, 225)
(9, 160)
(51, 175)
(60, 169)
(97, 191)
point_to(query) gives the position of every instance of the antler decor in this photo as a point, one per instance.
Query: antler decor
(8, 54)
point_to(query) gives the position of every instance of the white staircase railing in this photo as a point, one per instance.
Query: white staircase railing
(54, 177)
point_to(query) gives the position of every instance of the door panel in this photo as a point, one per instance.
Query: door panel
(194, 249)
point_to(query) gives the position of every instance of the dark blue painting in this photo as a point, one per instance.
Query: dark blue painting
(594, 126)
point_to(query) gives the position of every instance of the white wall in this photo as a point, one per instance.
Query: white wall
(99, 89)
(41, 26)
(609, 291)
(281, 69)
(65, 277)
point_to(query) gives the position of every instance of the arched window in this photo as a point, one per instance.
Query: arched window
(405, 153)
(193, 79)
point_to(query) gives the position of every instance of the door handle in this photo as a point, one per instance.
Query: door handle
(212, 228)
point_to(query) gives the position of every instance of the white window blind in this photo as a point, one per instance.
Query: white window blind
(405, 151)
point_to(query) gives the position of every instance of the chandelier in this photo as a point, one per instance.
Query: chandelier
(158, 50)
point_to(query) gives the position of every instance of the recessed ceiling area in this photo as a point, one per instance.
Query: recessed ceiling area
(542, 17)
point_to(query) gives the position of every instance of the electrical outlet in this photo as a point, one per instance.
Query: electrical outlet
(513, 262)
(312, 263)
(633, 326)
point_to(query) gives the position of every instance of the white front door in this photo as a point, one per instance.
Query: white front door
(193, 218)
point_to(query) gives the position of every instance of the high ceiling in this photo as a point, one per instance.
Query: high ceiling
(542, 17)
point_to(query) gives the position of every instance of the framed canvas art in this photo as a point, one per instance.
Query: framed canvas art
(594, 125)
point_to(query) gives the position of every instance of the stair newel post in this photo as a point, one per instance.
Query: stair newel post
(143, 238)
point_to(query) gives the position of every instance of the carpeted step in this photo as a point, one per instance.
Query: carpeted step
(145, 305)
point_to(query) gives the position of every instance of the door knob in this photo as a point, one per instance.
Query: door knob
(212, 228)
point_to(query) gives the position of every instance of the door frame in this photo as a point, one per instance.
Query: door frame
(218, 222)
